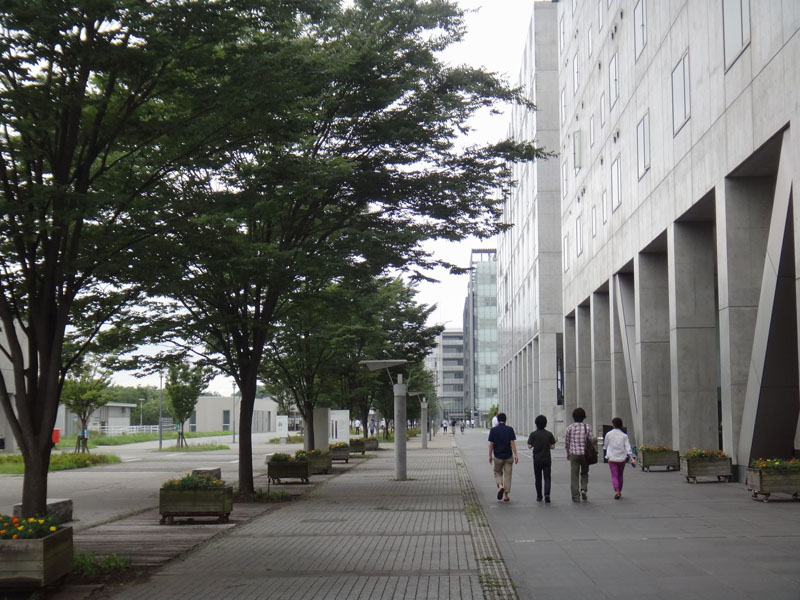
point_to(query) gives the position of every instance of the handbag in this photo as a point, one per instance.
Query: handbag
(590, 450)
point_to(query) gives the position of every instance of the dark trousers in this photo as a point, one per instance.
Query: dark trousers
(539, 470)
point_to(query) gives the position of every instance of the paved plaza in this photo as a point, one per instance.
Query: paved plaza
(442, 534)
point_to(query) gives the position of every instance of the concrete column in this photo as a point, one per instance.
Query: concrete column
(536, 389)
(322, 417)
(693, 336)
(620, 397)
(423, 419)
(547, 350)
(743, 209)
(583, 362)
(570, 377)
(400, 391)
(601, 360)
(652, 320)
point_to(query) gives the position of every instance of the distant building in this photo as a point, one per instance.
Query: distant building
(480, 335)
(449, 374)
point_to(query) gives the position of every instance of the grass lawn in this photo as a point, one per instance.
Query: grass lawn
(12, 464)
(195, 448)
(95, 440)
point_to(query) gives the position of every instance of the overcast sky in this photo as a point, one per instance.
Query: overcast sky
(495, 40)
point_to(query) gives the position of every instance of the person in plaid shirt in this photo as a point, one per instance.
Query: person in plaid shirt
(575, 444)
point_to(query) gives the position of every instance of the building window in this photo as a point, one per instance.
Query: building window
(589, 41)
(600, 11)
(591, 131)
(575, 74)
(639, 31)
(605, 207)
(578, 236)
(680, 94)
(615, 180)
(594, 220)
(561, 35)
(613, 82)
(576, 151)
(736, 28)
(574, 6)
(226, 420)
(564, 179)
(565, 252)
(563, 105)
(602, 109)
(643, 144)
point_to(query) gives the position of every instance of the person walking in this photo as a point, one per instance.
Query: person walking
(577, 436)
(503, 452)
(618, 451)
(541, 441)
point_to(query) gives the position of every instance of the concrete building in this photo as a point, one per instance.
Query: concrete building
(529, 253)
(480, 335)
(449, 374)
(678, 153)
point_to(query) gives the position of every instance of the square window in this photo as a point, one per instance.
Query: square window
(594, 220)
(639, 30)
(616, 199)
(680, 94)
(605, 206)
(591, 131)
(735, 28)
(602, 109)
(613, 82)
(643, 145)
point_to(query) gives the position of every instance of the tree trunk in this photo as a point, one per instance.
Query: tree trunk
(34, 484)
(308, 417)
(181, 439)
(365, 420)
(247, 387)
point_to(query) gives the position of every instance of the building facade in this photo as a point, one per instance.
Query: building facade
(480, 335)
(449, 374)
(678, 153)
(529, 253)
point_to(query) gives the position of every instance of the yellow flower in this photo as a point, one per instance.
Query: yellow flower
(52, 528)
(41, 521)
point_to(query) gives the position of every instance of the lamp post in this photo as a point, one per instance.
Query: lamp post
(400, 391)
(423, 418)
(233, 411)
(141, 404)
(160, 409)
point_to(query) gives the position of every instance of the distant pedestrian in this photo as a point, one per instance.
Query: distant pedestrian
(503, 452)
(618, 451)
(453, 426)
(461, 423)
(577, 436)
(372, 427)
(494, 420)
(444, 425)
(358, 426)
(541, 441)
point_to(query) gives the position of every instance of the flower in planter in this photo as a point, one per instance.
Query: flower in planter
(200, 481)
(279, 457)
(775, 464)
(655, 449)
(300, 456)
(317, 452)
(14, 528)
(704, 454)
(339, 445)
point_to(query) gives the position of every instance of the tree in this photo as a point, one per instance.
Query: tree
(184, 385)
(83, 395)
(359, 168)
(103, 105)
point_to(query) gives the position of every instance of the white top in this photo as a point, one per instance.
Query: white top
(495, 422)
(616, 445)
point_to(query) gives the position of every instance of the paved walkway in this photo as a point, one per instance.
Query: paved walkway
(442, 534)
(360, 535)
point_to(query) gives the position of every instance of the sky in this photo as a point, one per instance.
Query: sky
(495, 40)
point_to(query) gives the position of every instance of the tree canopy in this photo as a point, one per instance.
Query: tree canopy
(184, 385)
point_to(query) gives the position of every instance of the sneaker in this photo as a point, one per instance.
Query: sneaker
(506, 498)
(617, 495)
(538, 498)
(576, 499)
(583, 494)
(547, 499)
(500, 493)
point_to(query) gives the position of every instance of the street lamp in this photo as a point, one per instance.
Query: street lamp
(233, 411)
(423, 417)
(400, 390)
(160, 409)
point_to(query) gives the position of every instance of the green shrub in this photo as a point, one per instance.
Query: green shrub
(197, 481)
(279, 457)
(87, 566)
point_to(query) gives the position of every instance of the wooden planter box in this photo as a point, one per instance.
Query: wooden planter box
(371, 444)
(357, 447)
(320, 463)
(692, 468)
(766, 482)
(195, 503)
(669, 459)
(289, 470)
(340, 454)
(38, 563)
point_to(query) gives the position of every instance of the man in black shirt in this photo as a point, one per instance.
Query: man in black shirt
(542, 441)
(502, 448)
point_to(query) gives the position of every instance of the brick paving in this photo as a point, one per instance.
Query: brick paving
(359, 535)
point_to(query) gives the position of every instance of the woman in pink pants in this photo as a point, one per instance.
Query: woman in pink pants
(618, 450)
